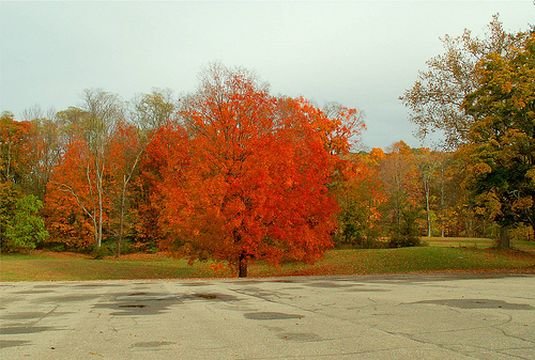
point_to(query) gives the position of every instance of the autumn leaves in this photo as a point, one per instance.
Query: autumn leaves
(236, 174)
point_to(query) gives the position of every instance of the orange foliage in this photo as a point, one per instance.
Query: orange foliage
(361, 195)
(167, 152)
(14, 148)
(246, 177)
(69, 192)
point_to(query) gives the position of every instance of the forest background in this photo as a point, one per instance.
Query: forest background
(234, 173)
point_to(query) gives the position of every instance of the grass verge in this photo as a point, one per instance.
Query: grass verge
(61, 266)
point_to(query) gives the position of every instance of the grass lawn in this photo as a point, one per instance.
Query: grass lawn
(475, 243)
(61, 266)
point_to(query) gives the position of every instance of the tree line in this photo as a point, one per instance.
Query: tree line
(233, 173)
(480, 95)
(229, 172)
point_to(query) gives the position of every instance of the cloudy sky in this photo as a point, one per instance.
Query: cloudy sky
(359, 53)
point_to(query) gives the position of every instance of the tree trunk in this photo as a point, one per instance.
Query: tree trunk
(242, 266)
(100, 217)
(95, 226)
(428, 211)
(100, 195)
(442, 232)
(121, 220)
(426, 180)
(121, 227)
(504, 241)
(8, 166)
(126, 181)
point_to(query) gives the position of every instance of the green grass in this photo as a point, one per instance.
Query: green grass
(47, 266)
(475, 243)
(50, 267)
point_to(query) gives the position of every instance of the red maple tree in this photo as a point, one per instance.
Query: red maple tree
(245, 175)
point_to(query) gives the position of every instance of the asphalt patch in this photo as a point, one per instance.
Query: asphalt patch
(143, 296)
(34, 292)
(32, 315)
(23, 316)
(25, 329)
(67, 298)
(131, 304)
(147, 303)
(12, 343)
(210, 297)
(207, 296)
(271, 316)
(478, 304)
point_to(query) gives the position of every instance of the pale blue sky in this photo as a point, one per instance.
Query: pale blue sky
(361, 54)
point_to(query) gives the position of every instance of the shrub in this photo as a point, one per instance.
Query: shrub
(26, 229)
(404, 241)
(8, 201)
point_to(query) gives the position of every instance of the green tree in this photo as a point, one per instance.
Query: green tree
(436, 97)
(26, 228)
(502, 140)
(8, 200)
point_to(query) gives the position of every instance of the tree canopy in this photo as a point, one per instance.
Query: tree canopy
(248, 174)
(502, 140)
(436, 98)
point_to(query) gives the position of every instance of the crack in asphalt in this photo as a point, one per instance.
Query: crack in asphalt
(403, 335)
(308, 356)
(411, 337)
(502, 325)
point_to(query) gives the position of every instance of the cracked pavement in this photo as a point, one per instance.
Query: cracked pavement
(353, 317)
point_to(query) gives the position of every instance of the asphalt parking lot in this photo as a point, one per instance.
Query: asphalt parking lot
(377, 317)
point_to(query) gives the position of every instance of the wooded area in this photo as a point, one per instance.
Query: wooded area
(233, 173)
